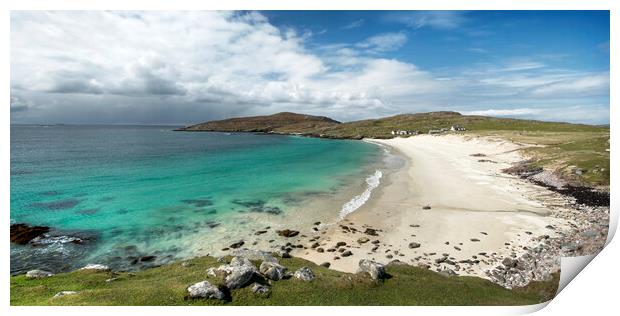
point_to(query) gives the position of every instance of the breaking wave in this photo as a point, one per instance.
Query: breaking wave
(356, 202)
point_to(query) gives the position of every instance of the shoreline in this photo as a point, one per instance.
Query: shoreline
(482, 222)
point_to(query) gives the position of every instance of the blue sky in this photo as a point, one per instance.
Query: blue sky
(184, 67)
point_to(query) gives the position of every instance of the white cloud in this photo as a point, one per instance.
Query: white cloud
(443, 20)
(183, 67)
(589, 85)
(384, 42)
(353, 25)
(504, 112)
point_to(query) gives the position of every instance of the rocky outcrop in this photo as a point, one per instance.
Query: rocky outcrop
(375, 269)
(205, 289)
(304, 274)
(23, 233)
(38, 274)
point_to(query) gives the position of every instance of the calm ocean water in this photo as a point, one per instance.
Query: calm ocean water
(132, 191)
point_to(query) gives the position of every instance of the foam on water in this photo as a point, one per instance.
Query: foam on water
(356, 202)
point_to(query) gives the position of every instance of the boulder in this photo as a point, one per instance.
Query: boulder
(347, 253)
(363, 240)
(260, 289)
(242, 261)
(38, 274)
(240, 276)
(272, 270)
(325, 264)
(205, 289)
(375, 269)
(413, 245)
(63, 293)
(304, 274)
(426, 207)
(96, 267)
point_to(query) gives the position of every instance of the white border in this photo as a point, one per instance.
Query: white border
(592, 291)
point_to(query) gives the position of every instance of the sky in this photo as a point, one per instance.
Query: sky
(119, 67)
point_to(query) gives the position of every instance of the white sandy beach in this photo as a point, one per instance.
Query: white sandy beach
(477, 212)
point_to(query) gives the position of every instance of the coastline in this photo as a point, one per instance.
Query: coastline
(480, 219)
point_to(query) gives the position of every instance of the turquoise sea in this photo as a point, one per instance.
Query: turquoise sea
(115, 194)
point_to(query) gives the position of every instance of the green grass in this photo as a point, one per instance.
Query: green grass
(565, 151)
(166, 285)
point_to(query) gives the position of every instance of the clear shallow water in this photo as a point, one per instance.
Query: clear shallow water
(131, 191)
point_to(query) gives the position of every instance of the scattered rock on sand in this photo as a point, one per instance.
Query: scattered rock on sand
(371, 232)
(413, 245)
(304, 274)
(340, 244)
(205, 289)
(363, 240)
(376, 270)
(287, 233)
(237, 244)
(38, 274)
(347, 253)
(426, 207)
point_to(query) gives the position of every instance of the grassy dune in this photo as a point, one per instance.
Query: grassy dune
(166, 285)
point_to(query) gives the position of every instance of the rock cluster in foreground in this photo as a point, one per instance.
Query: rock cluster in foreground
(240, 272)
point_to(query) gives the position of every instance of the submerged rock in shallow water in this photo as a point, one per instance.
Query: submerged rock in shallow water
(57, 205)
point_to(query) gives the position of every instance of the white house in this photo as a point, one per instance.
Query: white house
(457, 128)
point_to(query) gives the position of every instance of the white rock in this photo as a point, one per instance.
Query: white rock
(95, 266)
(304, 273)
(205, 289)
(38, 274)
(63, 293)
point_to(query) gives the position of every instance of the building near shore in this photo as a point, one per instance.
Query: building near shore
(405, 132)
